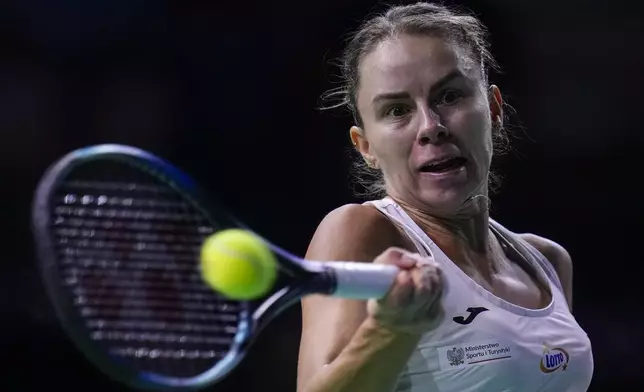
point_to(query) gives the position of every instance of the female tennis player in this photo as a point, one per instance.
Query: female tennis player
(475, 307)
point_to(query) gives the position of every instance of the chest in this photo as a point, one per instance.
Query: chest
(485, 344)
(540, 362)
(513, 284)
(504, 272)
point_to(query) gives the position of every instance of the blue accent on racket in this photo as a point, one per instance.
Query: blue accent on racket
(119, 233)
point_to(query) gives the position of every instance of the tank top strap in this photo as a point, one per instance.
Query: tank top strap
(530, 252)
(424, 244)
(389, 208)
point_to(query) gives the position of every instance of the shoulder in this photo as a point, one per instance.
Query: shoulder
(358, 231)
(353, 232)
(556, 254)
(364, 215)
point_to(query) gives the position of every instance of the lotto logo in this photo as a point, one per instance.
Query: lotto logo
(554, 359)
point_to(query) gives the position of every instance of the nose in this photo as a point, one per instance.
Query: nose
(431, 130)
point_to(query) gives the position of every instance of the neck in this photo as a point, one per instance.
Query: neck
(465, 237)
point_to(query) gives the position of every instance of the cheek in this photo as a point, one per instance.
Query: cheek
(392, 147)
(472, 127)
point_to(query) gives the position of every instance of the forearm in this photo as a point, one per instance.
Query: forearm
(371, 362)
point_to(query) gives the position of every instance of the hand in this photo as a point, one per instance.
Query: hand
(412, 305)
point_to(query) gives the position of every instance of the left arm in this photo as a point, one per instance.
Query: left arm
(558, 257)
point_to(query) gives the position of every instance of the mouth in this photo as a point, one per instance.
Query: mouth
(443, 165)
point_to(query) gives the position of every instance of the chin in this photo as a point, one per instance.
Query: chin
(452, 200)
(451, 192)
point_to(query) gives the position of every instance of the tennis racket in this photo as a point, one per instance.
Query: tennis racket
(119, 231)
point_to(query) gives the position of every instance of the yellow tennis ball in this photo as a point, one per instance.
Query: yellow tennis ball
(238, 264)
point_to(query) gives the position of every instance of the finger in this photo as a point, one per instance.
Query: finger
(429, 287)
(398, 257)
(426, 261)
(433, 281)
(423, 282)
(420, 260)
(411, 260)
(436, 281)
(402, 291)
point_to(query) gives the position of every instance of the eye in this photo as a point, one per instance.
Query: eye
(397, 111)
(449, 97)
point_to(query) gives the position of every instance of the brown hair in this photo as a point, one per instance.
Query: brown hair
(415, 19)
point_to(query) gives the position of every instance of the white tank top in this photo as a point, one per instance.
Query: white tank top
(486, 344)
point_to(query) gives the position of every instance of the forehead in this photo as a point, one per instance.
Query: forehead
(407, 62)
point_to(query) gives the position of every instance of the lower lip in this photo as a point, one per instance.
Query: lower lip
(445, 174)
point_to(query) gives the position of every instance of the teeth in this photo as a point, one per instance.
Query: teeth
(441, 161)
(434, 163)
(443, 164)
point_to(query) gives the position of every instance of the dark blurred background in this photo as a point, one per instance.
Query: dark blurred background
(228, 91)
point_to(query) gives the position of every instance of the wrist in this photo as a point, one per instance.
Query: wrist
(389, 331)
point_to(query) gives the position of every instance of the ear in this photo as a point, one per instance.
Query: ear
(496, 105)
(362, 145)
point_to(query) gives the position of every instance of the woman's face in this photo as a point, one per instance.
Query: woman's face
(427, 120)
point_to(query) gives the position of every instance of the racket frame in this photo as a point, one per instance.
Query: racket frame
(310, 277)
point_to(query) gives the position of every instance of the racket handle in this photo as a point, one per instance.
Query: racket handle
(362, 280)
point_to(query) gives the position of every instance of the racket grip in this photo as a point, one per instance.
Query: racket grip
(362, 280)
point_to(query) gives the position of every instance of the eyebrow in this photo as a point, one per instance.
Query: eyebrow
(400, 95)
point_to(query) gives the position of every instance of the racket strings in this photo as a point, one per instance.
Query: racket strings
(128, 257)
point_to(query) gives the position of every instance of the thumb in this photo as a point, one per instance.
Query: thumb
(399, 257)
